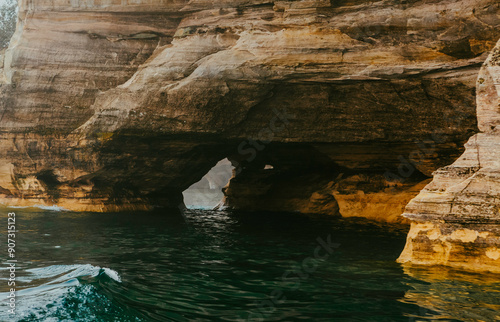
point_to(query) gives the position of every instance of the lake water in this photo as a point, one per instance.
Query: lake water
(228, 266)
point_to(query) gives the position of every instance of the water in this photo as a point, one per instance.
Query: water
(229, 266)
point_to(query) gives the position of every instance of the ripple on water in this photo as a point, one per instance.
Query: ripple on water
(220, 265)
(65, 293)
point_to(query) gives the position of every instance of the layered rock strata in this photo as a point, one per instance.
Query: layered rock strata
(115, 105)
(456, 218)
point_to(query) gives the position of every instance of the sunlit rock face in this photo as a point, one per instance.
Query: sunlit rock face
(456, 218)
(115, 105)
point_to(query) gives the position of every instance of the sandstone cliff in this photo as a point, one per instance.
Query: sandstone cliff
(112, 105)
(456, 218)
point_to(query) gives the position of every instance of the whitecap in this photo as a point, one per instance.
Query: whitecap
(50, 287)
(112, 274)
(43, 207)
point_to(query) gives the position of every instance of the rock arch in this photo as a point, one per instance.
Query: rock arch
(169, 88)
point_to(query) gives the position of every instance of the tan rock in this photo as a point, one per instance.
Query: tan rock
(113, 105)
(463, 200)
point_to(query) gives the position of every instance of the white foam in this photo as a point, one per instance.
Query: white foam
(112, 274)
(71, 271)
(43, 207)
(50, 286)
(53, 208)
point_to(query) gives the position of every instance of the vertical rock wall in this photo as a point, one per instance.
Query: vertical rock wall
(456, 218)
(121, 104)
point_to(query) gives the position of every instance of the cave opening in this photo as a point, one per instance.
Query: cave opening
(8, 19)
(208, 193)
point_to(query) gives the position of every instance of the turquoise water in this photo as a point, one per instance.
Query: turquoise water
(229, 266)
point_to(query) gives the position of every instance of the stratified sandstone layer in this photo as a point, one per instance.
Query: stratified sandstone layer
(114, 105)
(456, 218)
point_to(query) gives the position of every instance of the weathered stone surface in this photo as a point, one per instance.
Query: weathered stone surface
(456, 218)
(110, 105)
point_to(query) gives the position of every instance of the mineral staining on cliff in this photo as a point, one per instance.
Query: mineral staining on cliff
(456, 218)
(112, 106)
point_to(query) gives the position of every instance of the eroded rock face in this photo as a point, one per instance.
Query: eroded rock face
(111, 105)
(456, 218)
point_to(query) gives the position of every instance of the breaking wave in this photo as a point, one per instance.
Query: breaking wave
(67, 293)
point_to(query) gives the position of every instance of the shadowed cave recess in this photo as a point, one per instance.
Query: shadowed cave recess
(327, 107)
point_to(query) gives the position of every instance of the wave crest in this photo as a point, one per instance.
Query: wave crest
(64, 293)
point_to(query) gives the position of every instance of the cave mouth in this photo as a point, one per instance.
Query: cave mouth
(8, 20)
(208, 192)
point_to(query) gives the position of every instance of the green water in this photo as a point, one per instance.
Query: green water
(228, 266)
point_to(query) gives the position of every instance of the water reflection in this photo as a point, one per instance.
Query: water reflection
(455, 295)
(210, 265)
